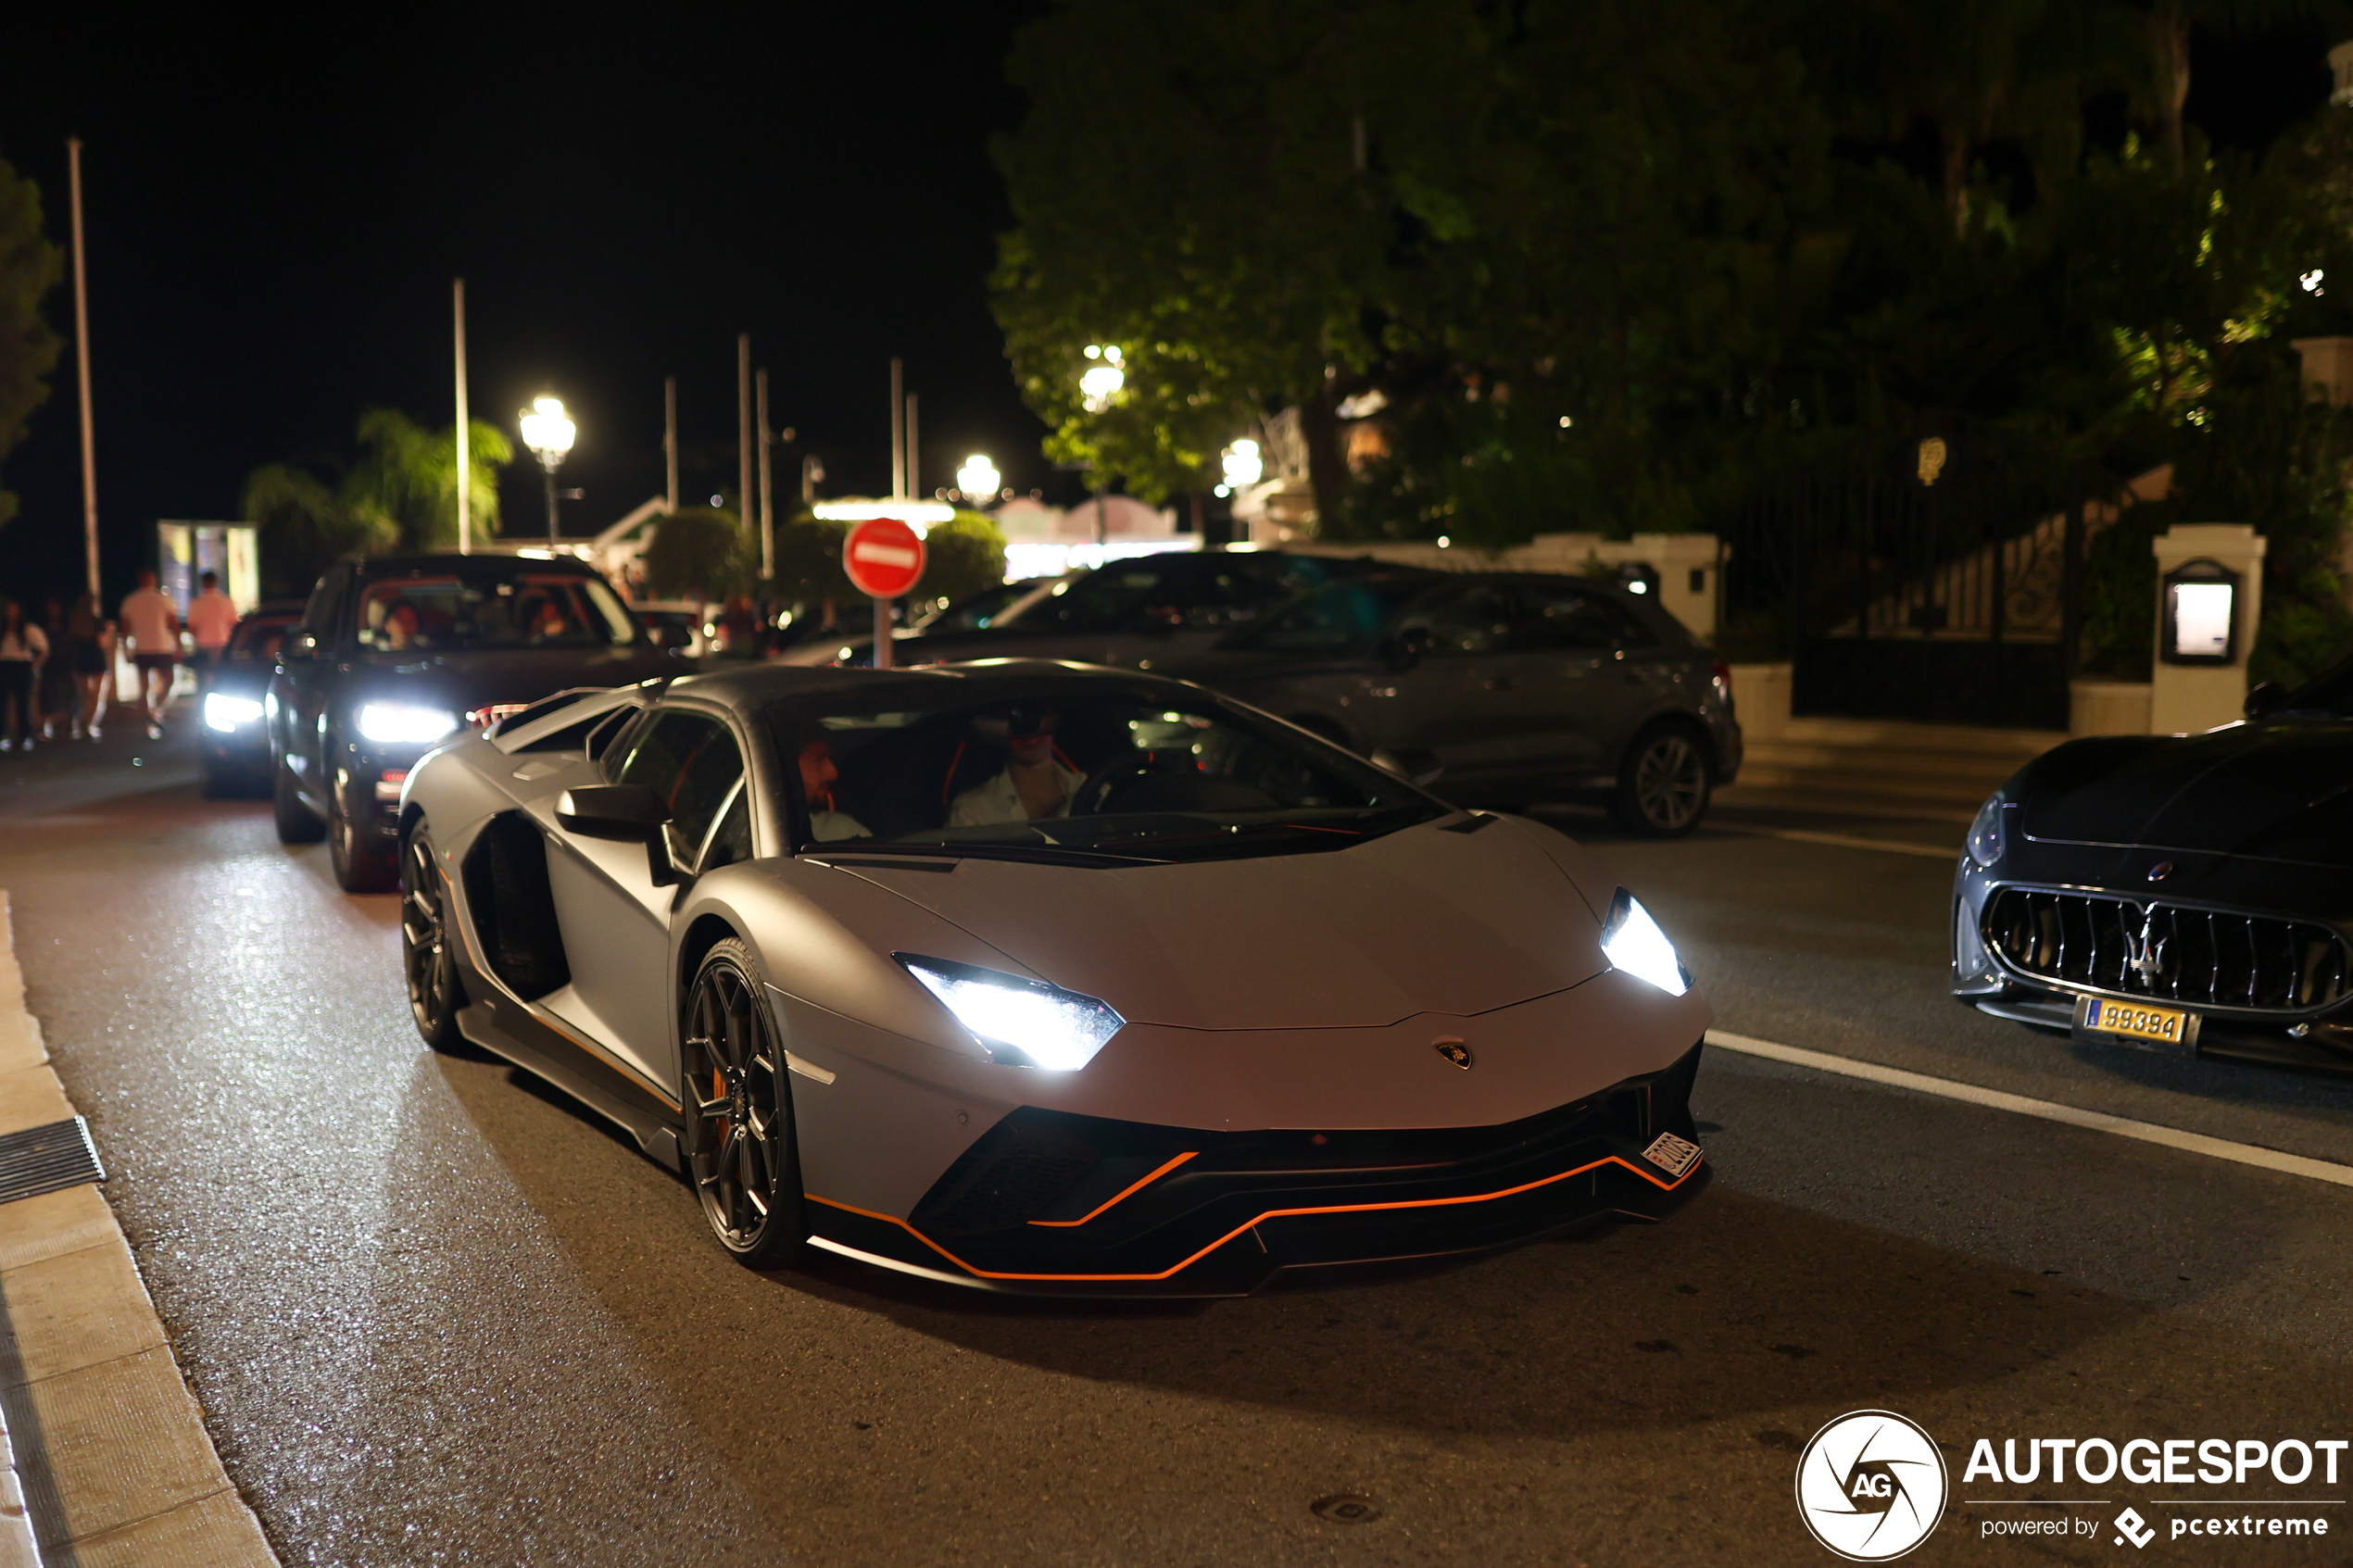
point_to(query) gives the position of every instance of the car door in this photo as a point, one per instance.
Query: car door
(1451, 700)
(613, 915)
(1576, 677)
(307, 672)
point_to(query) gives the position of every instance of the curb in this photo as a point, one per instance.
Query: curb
(106, 1458)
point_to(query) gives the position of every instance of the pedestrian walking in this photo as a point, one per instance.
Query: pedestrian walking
(54, 690)
(153, 627)
(22, 648)
(211, 617)
(90, 656)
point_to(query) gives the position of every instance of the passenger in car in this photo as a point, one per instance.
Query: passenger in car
(817, 775)
(1035, 782)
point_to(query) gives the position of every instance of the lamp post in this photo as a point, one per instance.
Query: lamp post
(979, 479)
(548, 431)
(1097, 386)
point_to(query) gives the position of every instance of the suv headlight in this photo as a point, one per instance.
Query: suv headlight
(1632, 941)
(224, 712)
(1988, 835)
(1022, 1023)
(394, 723)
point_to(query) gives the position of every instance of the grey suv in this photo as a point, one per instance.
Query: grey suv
(1518, 688)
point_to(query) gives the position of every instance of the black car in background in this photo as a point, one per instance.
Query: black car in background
(1521, 688)
(232, 744)
(396, 654)
(2190, 895)
(1137, 613)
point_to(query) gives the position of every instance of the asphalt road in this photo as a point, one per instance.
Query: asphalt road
(437, 1314)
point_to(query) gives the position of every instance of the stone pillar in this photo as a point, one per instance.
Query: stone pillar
(2328, 367)
(2186, 698)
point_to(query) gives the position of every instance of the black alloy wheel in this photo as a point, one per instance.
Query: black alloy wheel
(358, 867)
(1664, 784)
(428, 945)
(297, 823)
(738, 1142)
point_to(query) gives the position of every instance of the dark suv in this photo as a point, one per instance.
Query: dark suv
(397, 654)
(1521, 687)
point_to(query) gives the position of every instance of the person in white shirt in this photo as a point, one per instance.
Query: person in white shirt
(22, 648)
(1034, 782)
(153, 627)
(213, 615)
(817, 775)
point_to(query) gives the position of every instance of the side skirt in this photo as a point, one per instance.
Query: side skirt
(512, 1030)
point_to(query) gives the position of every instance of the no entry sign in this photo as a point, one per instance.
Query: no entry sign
(884, 558)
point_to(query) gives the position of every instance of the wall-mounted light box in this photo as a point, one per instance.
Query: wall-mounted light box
(2201, 614)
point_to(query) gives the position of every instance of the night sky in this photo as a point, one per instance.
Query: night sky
(276, 206)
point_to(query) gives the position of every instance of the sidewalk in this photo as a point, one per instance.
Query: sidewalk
(1882, 767)
(109, 1461)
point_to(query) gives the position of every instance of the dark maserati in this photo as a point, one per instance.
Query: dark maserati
(397, 654)
(2185, 894)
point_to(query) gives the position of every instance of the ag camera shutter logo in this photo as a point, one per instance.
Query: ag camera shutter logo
(1871, 1486)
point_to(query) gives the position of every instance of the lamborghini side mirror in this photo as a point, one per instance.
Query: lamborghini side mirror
(629, 813)
(1411, 763)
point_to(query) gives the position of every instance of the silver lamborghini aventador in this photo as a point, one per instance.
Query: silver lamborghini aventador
(1031, 976)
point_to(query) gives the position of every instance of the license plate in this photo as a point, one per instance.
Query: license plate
(2137, 1021)
(1673, 1155)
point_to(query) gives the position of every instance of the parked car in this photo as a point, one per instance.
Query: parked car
(397, 654)
(974, 612)
(1238, 1003)
(2181, 894)
(1137, 613)
(232, 744)
(1521, 688)
(681, 625)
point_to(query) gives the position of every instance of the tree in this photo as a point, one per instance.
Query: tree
(28, 268)
(400, 494)
(700, 552)
(963, 556)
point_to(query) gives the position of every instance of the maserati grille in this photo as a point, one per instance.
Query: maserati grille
(2136, 948)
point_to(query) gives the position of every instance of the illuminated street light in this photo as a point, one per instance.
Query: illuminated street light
(1103, 379)
(978, 478)
(548, 431)
(1243, 466)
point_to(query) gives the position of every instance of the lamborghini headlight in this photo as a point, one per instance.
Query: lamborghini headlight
(1022, 1023)
(392, 723)
(1987, 838)
(1632, 941)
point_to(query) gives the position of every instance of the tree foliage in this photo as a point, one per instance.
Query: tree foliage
(28, 268)
(700, 552)
(400, 494)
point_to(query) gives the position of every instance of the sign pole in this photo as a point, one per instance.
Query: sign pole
(81, 364)
(882, 633)
(465, 462)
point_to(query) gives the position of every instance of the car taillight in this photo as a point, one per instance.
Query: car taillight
(1723, 676)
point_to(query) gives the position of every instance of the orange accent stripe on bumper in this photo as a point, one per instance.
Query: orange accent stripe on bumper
(1270, 1214)
(1123, 1197)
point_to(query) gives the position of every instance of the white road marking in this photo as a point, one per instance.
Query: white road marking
(1844, 841)
(2048, 1110)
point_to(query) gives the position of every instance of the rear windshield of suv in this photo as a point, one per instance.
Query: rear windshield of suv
(430, 610)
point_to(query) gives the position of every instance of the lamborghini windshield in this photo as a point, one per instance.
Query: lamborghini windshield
(1081, 772)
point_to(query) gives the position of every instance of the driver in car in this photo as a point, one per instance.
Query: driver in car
(817, 775)
(1034, 782)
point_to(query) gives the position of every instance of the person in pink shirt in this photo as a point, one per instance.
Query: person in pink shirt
(213, 615)
(153, 627)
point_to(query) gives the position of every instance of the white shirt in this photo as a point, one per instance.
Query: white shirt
(147, 616)
(29, 646)
(213, 615)
(996, 801)
(828, 827)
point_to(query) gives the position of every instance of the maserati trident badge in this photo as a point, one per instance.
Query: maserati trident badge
(1453, 1050)
(2160, 870)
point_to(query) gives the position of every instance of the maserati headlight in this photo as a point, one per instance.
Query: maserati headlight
(394, 723)
(1022, 1023)
(1632, 941)
(224, 712)
(1986, 835)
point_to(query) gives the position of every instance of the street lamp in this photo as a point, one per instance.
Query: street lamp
(978, 478)
(1104, 378)
(548, 431)
(1242, 465)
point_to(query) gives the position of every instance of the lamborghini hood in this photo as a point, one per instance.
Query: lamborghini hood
(2276, 791)
(1426, 920)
